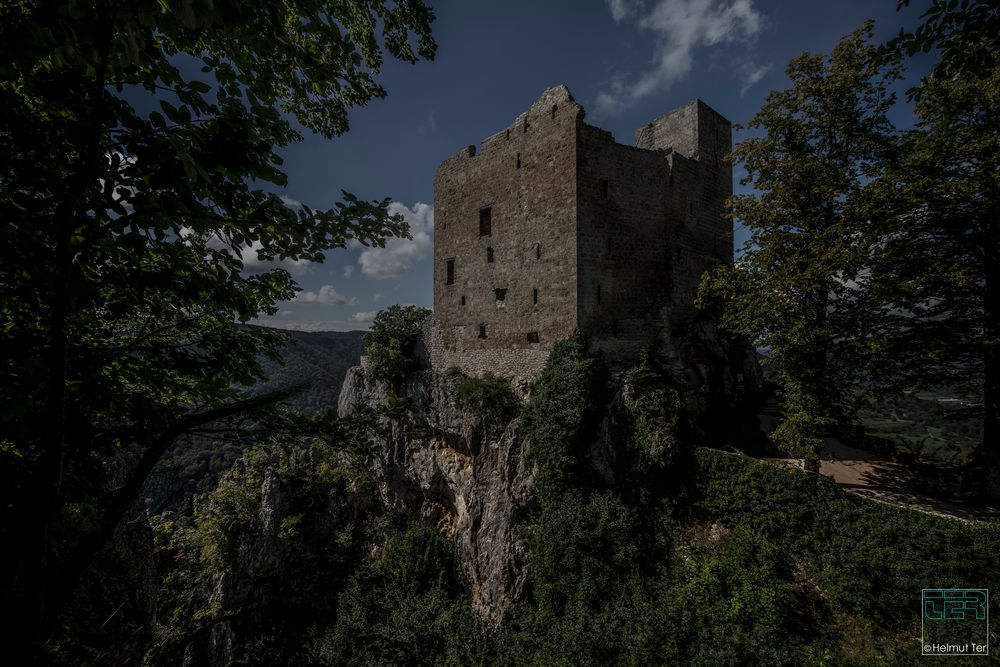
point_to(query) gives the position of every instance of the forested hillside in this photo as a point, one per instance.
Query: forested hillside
(194, 464)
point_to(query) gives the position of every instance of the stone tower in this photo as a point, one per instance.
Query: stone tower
(553, 226)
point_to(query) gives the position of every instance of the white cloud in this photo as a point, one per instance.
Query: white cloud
(622, 9)
(326, 294)
(375, 299)
(284, 313)
(253, 263)
(399, 255)
(291, 203)
(364, 317)
(349, 271)
(680, 27)
(750, 74)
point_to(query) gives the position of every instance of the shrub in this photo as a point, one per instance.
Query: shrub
(489, 397)
(410, 607)
(561, 414)
(390, 343)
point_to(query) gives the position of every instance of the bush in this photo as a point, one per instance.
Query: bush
(489, 397)
(410, 607)
(389, 344)
(559, 419)
(872, 559)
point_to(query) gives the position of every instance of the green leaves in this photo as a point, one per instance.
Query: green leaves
(796, 287)
(389, 344)
(130, 192)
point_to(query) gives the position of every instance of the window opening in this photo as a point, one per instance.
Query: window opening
(485, 222)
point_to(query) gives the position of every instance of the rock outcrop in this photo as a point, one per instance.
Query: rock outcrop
(439, 463)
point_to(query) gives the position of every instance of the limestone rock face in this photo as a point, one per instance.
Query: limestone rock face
(438, 463)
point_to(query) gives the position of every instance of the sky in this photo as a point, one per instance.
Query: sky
(625, 61)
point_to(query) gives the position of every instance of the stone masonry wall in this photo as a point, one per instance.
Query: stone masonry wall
(623, 242)
(515, 364)
(583, 232)
(701, 237)
(518, 305)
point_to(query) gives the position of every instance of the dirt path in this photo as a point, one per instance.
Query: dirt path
(887, 481)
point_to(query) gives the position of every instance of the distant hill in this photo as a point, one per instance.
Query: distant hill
(194, 465)
(320, 358)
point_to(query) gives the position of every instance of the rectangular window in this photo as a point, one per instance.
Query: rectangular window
(518, 160)
(532, 336)
(500, 294)
(489, 255)
(605, 188)
(538, 251)
(463, 299)
(482, 331)
(485, 222)
(450, 277)
(534, 296)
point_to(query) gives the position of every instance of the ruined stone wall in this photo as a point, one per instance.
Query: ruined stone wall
(525, 176)
(701, 181)
(623, 242)
(583, 232)
(516, 363)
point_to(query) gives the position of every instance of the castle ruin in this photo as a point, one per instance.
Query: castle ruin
(552, 226)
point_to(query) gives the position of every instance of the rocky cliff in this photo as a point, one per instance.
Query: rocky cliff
(439, 463)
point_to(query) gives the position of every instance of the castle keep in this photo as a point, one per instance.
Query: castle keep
(553, 226)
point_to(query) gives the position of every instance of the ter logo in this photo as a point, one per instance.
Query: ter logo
(955, 621)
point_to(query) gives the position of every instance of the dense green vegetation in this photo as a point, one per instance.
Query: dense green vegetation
(196, 462)
(140, 176)
(714, 559)
(873, 267)
(389, 344)
(490, 398)
(933, 425)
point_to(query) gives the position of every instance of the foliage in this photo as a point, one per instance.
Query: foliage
(490, 398)
(195, 463)
(558, 417)
(389, 344)
(936, 260)
(411, 606)
(135, 140)
(869, 558)
(794, 289)
(284, 528)
(653, 408)
(965, 36)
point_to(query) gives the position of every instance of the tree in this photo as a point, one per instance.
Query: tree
(935, 268)
(136, 137)
(389, 344)
(794, 290)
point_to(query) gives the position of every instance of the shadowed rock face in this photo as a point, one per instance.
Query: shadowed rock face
(438, 463)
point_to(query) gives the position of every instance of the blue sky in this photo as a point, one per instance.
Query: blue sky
(625, 61)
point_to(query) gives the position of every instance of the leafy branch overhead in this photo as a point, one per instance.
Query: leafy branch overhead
(139, 157)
